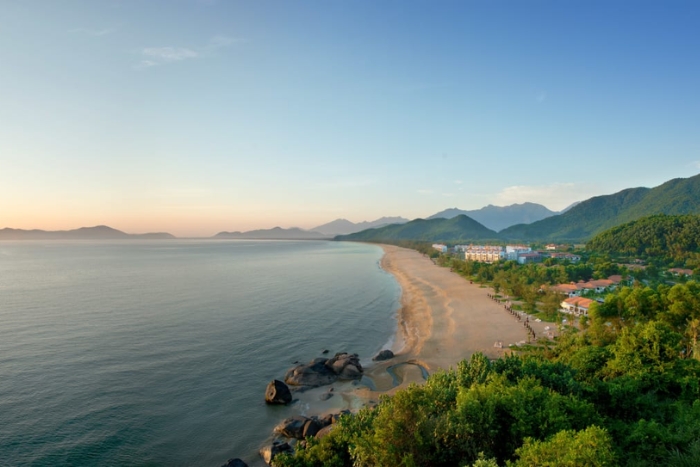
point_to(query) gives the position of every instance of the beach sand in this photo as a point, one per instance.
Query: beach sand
(442, 320)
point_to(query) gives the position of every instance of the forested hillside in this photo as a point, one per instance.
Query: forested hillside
(454, 230)
(675, 238)
(678, 196)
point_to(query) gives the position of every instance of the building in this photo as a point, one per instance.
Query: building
(569, 256)
(484, 253)
(440, 247)
(531, 257)
(681, 272)
(513, 251)
(577, 306)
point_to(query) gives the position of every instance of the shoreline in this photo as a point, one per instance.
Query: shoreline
(441, 320)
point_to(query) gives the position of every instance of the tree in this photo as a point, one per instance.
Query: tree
(591, 447)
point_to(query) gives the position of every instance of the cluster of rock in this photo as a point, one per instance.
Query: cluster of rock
(322, 371)
(298, 429)
(319, 372)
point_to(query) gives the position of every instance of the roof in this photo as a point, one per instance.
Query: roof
(579, 302)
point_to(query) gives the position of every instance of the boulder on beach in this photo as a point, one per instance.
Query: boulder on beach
(324, 431)
(270, 451)
(383, 355)
(323, 371)
(311, 427)
(235, 463)
(277, 393)
(292, 427)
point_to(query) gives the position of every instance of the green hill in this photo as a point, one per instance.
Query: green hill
(583, 221)
(456, 230)
(673, 237)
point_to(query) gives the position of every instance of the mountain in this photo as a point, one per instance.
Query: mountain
(458, 229)
(583, 221)
(100, 232)
(276, 233)
(500, 217)
(674, 237)
(344, 226)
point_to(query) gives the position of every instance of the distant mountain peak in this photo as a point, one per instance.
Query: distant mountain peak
(500, 217)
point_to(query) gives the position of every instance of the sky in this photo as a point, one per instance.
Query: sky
(201, 116)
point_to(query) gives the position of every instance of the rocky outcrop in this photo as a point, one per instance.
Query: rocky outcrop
(300, 427)
(270, 451)
(383, 355)
(235, 463)
(322, 371)
(277, 393)
(324, 431)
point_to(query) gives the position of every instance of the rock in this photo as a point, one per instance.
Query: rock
(324, 431)
(325, 396)
(326, 420)
(350, 372)
(313, 374)
(383, 355)
(269, 452)
(311, 428)
(235, 463)
(292, 427)
(277, 393)
(322, 371)
(325, 352)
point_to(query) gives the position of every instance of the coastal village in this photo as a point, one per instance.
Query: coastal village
(579, 295)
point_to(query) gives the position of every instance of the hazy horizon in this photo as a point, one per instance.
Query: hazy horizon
(204, 116)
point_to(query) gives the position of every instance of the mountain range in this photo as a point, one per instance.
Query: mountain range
(453, 230)
(580, 222)
(100, 232)
(583, 221)
(499, 217)
(344, 226)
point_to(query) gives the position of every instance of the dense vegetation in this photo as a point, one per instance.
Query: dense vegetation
(621, 387)
(455, 230)
(624, 392)
(675, 240)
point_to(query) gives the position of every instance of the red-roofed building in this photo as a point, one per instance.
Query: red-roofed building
(577, 306)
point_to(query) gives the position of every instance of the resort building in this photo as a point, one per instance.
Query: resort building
(440, 247)
(569, 256)
(484, 253)
(513, 251)
(577, 306)
(681, 272)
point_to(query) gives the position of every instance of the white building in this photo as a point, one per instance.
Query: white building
(484, 253)
(440, 247)
(514, 251)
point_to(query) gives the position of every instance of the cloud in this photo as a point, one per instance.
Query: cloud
(153, 56)
(458, 182)
(556, 196)
(425, 192)
(94, 32)
(695, 164)
(541, 96)
(169, 54)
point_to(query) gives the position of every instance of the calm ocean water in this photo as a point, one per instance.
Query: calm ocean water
(158, 352)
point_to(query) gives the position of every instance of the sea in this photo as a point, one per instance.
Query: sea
(158, 352)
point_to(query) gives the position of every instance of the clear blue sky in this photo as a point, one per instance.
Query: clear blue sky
(200, 116)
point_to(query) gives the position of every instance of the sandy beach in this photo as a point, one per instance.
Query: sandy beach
(443, 319)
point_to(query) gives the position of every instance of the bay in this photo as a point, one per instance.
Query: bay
(158, 352)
